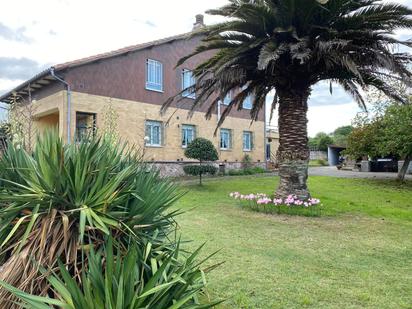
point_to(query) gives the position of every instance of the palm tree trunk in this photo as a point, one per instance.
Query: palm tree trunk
(293, 153)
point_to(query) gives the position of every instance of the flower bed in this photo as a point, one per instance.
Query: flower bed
(291, 205)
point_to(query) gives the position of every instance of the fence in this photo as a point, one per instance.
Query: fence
(318, 155)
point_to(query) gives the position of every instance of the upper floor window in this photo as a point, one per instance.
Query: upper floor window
(247, 141)
(188, 134)
(225, 139)
(228, 98)
(153, 133)
(154, 75)
(248, 102)
(188, 80)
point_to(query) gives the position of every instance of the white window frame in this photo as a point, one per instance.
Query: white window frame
(149, 138)
(187, 127)
(156, 84)
(228, 98)
(250, 146)
(229, 139)
(187, 94)
(248, 101)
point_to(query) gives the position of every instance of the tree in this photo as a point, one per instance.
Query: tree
(397, 134)
(321, 141)
(364, 140)
(385, 134)
(203, 150)
(289, 46)
(340, 135)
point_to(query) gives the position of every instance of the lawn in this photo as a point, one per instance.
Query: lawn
(357, 255)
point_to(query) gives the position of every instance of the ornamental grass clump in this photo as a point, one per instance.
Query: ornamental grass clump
(60, 206)
(291, 205)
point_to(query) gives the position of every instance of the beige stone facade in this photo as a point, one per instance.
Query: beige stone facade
(131, 117)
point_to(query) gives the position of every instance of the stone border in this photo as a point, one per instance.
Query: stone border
(175, 169)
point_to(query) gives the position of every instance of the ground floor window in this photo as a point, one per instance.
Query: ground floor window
(247, 141)
(153, 133)
(188, 134)
(85, 125)
(225, 139)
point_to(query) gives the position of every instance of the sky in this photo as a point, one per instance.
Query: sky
(37, 34)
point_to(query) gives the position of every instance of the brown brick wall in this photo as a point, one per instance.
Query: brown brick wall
(124, 77)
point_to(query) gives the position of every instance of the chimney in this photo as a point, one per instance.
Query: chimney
(199, 22)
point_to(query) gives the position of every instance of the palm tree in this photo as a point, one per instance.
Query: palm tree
(288, 46)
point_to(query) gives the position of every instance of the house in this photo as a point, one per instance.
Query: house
(131, 84)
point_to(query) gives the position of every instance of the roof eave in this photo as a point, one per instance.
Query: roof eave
(33, 83)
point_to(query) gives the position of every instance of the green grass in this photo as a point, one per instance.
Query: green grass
(357, 255)
(316, 163)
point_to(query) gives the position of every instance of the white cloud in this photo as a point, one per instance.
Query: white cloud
(328, 118)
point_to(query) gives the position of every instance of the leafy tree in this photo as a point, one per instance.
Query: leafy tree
(364, 140)
(321, 141)
(289, 46)
(203, 150)
(324, 141)
(397, 134)
(340, 135)
(386, 134)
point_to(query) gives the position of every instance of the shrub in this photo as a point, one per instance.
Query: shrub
(62, 199)
(131, 281)
(203, 150)
(235, 172)
(196, 170)
(247, 171)
(246, 161)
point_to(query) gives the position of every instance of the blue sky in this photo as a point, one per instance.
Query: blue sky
(37, 38)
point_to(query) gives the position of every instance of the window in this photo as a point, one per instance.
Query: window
(85, 125)
(228, 98)
(188, 134)
(154, 75)
(247, 141)
(153, 133)
(225, 139)
(247, 103)
(187, 81)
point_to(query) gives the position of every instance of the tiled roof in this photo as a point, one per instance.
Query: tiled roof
(120, 51)
(59, 67)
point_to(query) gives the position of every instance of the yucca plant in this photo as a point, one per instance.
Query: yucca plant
(62, 200)
(139, 279)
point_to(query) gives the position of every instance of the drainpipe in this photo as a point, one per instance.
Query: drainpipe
(69, 103)
(218, 111)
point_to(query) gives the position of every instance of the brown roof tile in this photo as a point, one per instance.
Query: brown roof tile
(121, 51)
(58, 67)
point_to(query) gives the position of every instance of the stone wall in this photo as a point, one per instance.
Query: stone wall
(175, 169)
